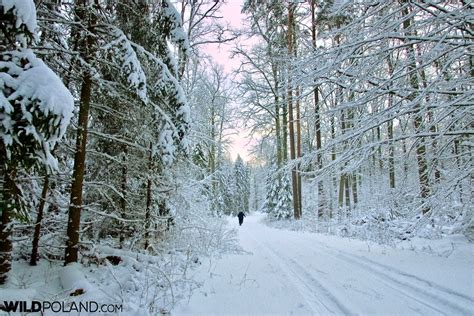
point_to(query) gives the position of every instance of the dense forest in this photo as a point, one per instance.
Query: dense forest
(368, 104)
(115, 124)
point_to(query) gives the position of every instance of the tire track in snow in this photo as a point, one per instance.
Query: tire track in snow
(418, 294)
(396, 290)
(415, 278)
(308, 276)
(404, 282)
(308, 294)
(308, 285)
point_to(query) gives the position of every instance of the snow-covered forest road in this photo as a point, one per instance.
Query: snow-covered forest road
(295, 273)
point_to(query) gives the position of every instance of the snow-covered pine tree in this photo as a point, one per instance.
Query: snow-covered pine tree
(171, 115)
(278, 201)
(271, 188)
(242, 185)
(133, 76)
(199, 157)
(35, 110)
(283, 208)
(227, 189)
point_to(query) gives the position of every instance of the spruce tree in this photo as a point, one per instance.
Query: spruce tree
(278, 201)
(242, 185)
(35, 110)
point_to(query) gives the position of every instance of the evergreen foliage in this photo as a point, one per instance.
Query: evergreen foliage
(278, 201)
(242, 186)
(35, 110)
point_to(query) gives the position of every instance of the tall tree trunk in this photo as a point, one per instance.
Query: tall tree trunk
(355, 196)
(317, 117)
(279, 151)
(347, 194)
(75, 207)
(333, 158)
(342, 182)
(319, 160)
(405, 161)
(425, 189)
(299, 149)
(6, 206)
(351, 179)
(294, 171)
(391, 149)
(284, 128)
(39, 220)
(466, 3)
(213, 153)
(379, 149)
(278, 132)
(391, 153)
(433, 128)
(333, 155)
(149, 198)
(255, 191)
(374, 154)
(123, 191)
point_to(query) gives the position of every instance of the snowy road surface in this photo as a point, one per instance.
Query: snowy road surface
(296, 273)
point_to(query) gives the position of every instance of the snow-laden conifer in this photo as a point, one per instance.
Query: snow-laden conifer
(35, 110)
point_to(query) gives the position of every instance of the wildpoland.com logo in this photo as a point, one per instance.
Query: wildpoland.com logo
(59, 307)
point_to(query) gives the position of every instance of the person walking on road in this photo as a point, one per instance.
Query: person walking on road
(241, 216)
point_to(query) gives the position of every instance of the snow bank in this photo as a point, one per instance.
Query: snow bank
(18, 294)
(73, 280)
(452, 246)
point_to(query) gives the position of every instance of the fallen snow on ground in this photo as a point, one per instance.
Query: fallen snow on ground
(143, 285)
(280, 272)
(299, 273)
